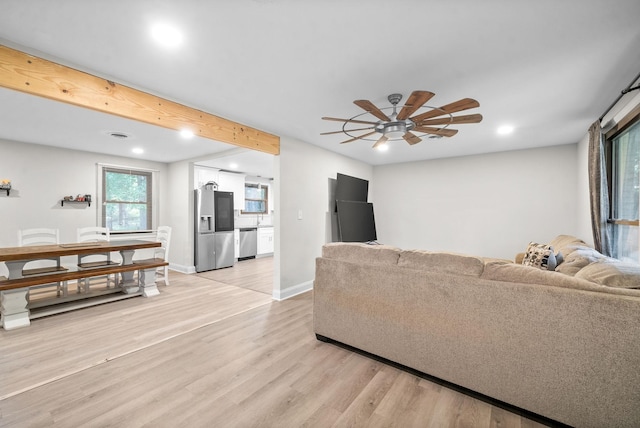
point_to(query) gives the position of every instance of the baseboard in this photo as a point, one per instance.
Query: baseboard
(260, 256)
(182, 268)
(292, 291)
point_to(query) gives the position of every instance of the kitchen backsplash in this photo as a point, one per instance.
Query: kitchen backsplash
(251, 220)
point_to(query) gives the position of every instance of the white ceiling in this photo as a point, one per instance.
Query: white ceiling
(548, 67)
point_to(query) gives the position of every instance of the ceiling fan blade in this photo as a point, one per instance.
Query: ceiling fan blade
(370, 108)
(336, 119)
(463, 104)
(350, 130)
(470, 118)
(414, 102)
(357, 138)
(411, 138)
(436, 131)
(380, 142)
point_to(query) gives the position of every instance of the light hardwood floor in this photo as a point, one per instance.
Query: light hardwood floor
(253, 274)
(208, 354)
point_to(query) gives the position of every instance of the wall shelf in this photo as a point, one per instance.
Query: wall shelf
(62, 202)
(80, 199)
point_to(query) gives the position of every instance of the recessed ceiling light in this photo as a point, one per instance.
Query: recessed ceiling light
(505, 129)
(186, 133)
(233, 165)
(137, 150)
(166, 35)
(382, 147)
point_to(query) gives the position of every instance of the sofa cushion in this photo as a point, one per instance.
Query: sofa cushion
(516, 273)
(577, 258)
(357, 252)
(527, 275)
(612, 273)
(486, 260)
(540, 256)
(441, 262)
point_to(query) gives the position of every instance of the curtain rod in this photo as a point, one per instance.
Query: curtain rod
(622, 93)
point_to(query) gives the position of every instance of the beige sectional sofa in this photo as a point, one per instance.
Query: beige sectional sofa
(564, 344)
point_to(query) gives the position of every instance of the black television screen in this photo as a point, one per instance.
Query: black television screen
(356, 221)
(351, 188)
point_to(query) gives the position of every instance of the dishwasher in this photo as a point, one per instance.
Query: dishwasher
(248, 243)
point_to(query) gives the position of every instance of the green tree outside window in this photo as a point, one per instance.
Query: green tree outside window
(127, 200)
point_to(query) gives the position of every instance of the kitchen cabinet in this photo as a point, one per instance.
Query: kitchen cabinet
(230, 182)
(265, 240)
(204, 175)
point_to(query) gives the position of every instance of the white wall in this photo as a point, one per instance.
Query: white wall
(583, 204)
(302, 184)
(489, 205)
(180, 216)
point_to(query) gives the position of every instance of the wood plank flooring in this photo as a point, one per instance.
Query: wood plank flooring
(208, 354)
(253, 274)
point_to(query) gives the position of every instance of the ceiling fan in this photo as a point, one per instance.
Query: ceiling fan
(434, 121)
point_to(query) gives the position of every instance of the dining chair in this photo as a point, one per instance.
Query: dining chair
(94, 234)
(163, 235)
(43, 236)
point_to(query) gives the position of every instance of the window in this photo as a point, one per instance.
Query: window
(256, 198)
(126, 199)
(623, 150)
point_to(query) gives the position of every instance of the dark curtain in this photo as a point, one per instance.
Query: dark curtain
(599, 191)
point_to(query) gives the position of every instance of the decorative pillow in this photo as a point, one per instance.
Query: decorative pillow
(540, 256)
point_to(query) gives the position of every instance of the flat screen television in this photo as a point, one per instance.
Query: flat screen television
(356, 222)
(351, 188)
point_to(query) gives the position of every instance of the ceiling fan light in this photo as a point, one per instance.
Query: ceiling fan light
(396, 130)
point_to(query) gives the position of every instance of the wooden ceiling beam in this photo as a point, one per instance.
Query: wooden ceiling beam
(37, 76)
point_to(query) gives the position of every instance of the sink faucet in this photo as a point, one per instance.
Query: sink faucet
(257, 219)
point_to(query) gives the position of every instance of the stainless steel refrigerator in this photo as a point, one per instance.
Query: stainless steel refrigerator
(214, 239)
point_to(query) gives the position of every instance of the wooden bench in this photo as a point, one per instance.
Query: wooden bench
(61, 286)
(14, 291)
(33, 280)
(93, 265)
(42, 271)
